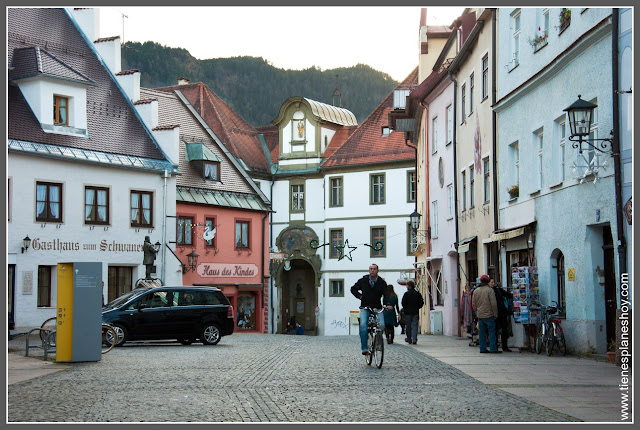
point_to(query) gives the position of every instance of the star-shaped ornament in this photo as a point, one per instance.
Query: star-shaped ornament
(341, 250)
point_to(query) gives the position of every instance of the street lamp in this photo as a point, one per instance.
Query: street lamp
(26, 243)
(415, 220)
(157, 246)
(193, 262)
(580, 115)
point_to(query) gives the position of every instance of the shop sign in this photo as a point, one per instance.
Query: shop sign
(104, 246)
(572, 274)
(207, 270)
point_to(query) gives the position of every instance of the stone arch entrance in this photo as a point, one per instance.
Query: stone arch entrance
(297, 279)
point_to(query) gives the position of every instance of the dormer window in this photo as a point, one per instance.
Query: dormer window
(211, 171)
(60, 110)
(385, 131)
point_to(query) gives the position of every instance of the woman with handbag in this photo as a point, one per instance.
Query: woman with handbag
(390, 315)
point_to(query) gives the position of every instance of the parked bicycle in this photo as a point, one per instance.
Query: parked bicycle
(107, 334)
(375, 343)
(549, 332)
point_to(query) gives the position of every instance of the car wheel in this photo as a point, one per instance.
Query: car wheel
(186, 341)
(121, 334)
(210, 334)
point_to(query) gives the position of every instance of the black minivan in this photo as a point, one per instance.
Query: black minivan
(181, 313)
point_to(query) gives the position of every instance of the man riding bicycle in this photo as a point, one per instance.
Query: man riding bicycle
(369, 289)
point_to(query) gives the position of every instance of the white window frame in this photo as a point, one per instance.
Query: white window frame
(463, 97)
(449, 124)
(486, 177)
(591, 153)
(434, 134)
(463, 180)
(471, 87)
(562, 148)
(515, 37)
(450, 197)
(485, 76)
(472, 195)
(434, 219)
(540, 161)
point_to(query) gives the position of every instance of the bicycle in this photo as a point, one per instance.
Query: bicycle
(550, 331)
(375, 344)
(107, 334)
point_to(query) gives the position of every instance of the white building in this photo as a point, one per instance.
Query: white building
(87, 181)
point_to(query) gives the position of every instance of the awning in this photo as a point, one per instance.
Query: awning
(464, 244)
(433, 257)
(199, 152)
(509, 233)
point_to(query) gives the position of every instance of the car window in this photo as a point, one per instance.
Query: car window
(157, 299)
(123, 299)
(185, 298)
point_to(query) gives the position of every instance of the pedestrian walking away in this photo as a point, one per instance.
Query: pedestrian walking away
(369, 290)
(412, 301)
(391, 312)
(484, 304)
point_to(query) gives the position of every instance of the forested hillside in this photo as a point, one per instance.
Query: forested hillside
(254, 88)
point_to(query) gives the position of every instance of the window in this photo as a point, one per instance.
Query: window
(60, 110)
(242, 234)
(434, 219)
(544, 25)
(377, 189)
(449, 124)
(336, 241)
(9, 199)
(471, 87)
(336, 190)
(439, 297)
(463, 97)
(210, 226)
(560, 159)
(472, 197)
(539, 141)
(515, 43)
(96, 205)
(515, 162)
(450, 198)
(464, 190)
(434, 135)
(562, 297)
(211, 171)
(385, 131)
(486, 180)
(485, 77)
(44, 286)
(336, 288)
(297, 197)
(120, 281)
(411, 186)
(377, 238)
(141, 209)
(185, 231)
(48, 202)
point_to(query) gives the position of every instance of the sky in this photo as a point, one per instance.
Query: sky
(385, 38)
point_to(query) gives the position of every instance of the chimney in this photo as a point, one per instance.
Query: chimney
(88, 19)
(168, 137)
(129, 80)
(148, 110)
(109, 50)
(423, 17)
(183, 81)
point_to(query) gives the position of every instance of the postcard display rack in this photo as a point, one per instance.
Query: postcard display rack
(526, 300)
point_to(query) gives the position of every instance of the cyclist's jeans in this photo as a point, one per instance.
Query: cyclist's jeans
(364, 317)
(484, 325)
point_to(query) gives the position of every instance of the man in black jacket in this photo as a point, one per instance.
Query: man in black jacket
(412, 301)
(369, 290)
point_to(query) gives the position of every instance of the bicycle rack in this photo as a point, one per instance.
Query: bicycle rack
(46, 343)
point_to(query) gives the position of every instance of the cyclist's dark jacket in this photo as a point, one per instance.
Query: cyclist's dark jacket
(368, 295)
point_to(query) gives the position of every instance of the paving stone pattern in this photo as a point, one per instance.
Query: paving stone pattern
(265, 378)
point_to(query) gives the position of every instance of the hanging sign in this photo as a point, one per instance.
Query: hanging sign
(222, 270)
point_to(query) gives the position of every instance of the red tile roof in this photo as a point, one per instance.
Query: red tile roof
(366, 145)
(240, 138)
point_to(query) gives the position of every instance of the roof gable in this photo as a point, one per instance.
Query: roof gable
(35, 61)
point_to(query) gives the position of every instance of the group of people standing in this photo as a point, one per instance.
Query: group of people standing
(370, 289)
(490, 305)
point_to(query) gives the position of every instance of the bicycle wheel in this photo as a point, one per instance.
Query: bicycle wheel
(378, 350)
(368, 358)
(109, 338)
(539, 338)
(550, 341)
(562, 345)
(49, 325)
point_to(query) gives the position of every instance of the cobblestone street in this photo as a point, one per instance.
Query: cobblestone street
(265, 378)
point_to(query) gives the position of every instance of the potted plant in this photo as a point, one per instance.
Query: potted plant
(565, 18)
(611, 351)
(514, 191)
(540, 40)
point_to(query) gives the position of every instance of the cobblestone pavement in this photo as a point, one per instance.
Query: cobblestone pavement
(265, 378)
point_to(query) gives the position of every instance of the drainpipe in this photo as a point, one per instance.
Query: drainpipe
(271, 279)
(165, 175)
(263, 263)
(615, 146)
(455, 188)
(494, 132)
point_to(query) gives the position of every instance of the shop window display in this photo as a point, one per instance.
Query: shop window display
(246, 312)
